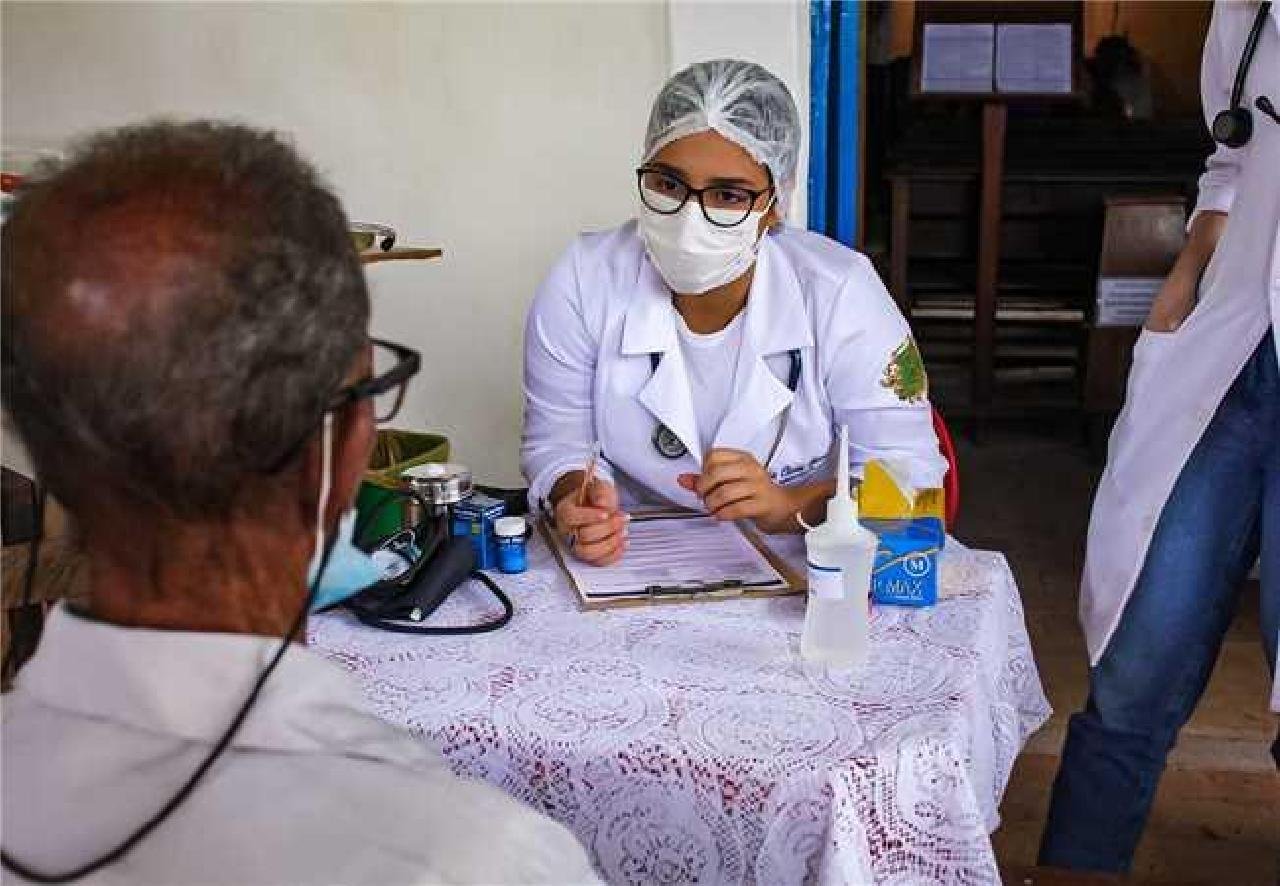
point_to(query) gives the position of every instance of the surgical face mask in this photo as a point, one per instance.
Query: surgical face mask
(693, 255)
(348, 570)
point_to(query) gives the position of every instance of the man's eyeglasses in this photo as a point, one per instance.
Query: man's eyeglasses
(725, 206)
(393, 366)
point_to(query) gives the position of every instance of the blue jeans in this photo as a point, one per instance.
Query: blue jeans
(1223, 513)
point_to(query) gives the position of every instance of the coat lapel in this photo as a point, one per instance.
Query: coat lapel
(650, 328)
(776, 323)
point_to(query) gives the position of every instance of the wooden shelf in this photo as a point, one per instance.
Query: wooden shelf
(376, 256)
(959, 313)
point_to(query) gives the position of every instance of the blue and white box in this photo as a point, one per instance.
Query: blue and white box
(474, 517)
(906, 570)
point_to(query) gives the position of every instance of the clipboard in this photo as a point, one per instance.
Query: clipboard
(783, 582)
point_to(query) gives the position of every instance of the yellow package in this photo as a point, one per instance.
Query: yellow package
(881, 496)
(908, 524)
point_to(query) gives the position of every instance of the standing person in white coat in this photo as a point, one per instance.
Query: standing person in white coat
(1190, 498)
(710, 349)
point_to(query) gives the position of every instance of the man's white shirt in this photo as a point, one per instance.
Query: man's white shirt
(106, 723)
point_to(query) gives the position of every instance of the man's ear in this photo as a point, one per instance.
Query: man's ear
(354, 435)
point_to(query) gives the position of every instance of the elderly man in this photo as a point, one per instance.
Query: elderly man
(185, 354)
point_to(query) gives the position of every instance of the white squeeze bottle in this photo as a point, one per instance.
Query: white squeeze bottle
(841, 555)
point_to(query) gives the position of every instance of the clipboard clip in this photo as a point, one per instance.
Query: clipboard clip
(729, 587)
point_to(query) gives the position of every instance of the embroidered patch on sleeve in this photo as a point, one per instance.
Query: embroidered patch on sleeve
(905, 374)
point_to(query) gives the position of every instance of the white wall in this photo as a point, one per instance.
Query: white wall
(495, 131)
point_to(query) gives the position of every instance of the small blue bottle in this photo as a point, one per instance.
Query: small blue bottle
(511, 533)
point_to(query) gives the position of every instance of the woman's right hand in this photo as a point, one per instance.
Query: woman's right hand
(1174, 301)
(596, 531)
(1180, 290)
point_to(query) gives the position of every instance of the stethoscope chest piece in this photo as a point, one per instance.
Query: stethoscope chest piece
(1234, 126)
(668, 444)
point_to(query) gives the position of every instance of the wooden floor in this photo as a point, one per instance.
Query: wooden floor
(1217, 814)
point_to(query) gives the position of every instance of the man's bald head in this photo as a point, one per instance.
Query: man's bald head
(181, 302)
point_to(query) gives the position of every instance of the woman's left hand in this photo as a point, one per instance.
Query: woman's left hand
(734, 486)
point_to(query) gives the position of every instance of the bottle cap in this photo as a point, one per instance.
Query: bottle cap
(842, 510)
(509, 527)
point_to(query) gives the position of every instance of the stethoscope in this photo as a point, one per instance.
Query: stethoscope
(668, 445)
(1234, 126)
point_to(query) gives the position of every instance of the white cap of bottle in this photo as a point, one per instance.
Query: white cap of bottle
(509, 527)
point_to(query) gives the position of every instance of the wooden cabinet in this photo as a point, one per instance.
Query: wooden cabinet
(998, 280)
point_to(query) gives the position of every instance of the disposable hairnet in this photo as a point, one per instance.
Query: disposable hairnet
(741, 101)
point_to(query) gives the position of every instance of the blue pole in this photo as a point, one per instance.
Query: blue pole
(844, 118)
(820, 15)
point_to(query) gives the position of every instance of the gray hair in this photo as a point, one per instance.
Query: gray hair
(181, 303)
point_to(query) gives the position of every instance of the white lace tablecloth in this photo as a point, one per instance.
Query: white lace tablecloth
(692, 744)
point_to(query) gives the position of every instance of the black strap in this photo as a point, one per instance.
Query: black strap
(405, 627)
(430, 538)
(1246, 58)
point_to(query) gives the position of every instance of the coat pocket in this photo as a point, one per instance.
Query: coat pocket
(1148, 354)
(1151, 344)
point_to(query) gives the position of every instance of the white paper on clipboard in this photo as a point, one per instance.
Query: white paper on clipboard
(670, 552)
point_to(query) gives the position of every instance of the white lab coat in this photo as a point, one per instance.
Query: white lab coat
(1179, 378)
(604, 309)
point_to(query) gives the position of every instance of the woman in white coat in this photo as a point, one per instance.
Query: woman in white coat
(709, 349)
(1191, 494)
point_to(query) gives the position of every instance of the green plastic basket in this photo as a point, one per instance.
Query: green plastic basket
(394, 453)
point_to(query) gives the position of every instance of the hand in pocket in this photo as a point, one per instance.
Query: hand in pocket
(1174, 302)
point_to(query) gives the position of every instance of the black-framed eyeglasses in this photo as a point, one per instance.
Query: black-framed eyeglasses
(393, 366)
(725, 206)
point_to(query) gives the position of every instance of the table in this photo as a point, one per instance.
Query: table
(691, 743)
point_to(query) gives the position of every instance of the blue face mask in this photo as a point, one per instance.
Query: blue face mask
(349, 570)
